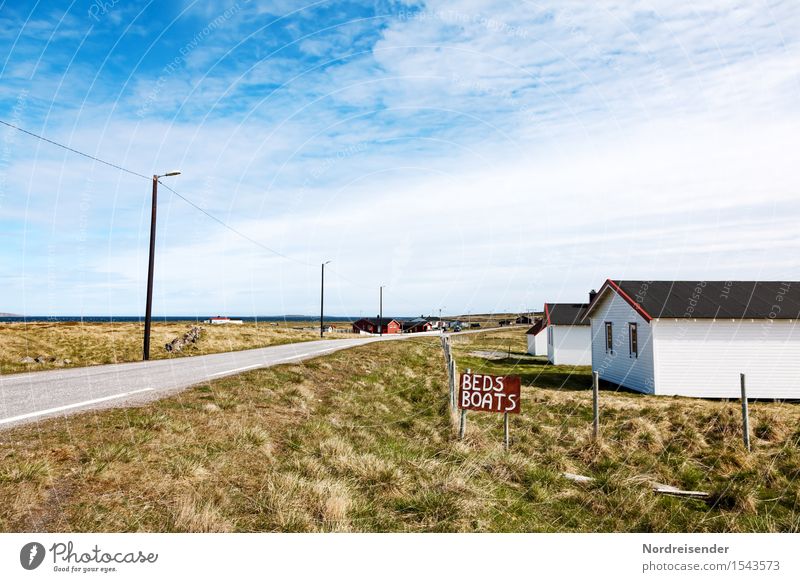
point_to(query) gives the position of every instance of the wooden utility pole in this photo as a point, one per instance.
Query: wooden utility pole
(151, 262)
(380, 315)
(149, 307)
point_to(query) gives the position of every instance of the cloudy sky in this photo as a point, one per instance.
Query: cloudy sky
(472, 155)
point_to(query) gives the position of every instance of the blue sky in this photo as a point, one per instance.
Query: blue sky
(468, 154)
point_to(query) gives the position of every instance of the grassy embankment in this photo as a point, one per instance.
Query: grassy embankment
(87, 344)
(361, 441)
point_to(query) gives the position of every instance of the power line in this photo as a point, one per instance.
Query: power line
(234, 230)
(181, 196)
(73, 150)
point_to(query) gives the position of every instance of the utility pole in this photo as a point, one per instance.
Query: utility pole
(322, 299)
(150, 264)
(380, 315)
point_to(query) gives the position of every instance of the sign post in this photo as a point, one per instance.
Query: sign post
(485, 393)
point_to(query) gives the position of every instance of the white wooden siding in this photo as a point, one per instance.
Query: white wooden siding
(619, 366)
(537, 344)
(571, 345)
(704, 357)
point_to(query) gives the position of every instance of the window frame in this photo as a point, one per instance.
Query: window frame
(609, 332)
(633, 339)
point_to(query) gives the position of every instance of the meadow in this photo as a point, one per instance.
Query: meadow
(71, 344)
(362, 440)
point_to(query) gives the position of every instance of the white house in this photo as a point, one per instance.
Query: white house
(223, 321)
(694, 338)
(537, 338)
(568, 335)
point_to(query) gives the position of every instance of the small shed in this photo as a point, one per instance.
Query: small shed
(537, 338)
(569, 339)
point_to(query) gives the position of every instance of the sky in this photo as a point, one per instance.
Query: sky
(469, 155)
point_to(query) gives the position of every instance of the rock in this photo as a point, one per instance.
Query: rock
(40, 359)
(67, 361)
(27, 360)
(190, 337)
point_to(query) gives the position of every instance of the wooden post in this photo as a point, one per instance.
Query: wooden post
(745, 414)
(462, 427)
(505, 431)
(596, 404)
(453, 383)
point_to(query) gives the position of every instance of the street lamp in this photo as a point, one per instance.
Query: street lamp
(380, 314)
(149, 308)
(322, 298)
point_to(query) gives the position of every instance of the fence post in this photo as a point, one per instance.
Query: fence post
(745, 414)
(596, 404)
(462, 427)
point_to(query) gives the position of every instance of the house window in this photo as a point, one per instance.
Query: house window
(550, 335)
(609, 337)
(633, 340)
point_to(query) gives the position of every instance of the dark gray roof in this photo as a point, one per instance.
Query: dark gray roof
(713, 299)
(537, 327)
(408, 323)
(565, 313)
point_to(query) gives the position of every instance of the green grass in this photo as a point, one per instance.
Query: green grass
(362, 440)
(71, 344)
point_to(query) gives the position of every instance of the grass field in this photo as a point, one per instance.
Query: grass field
(362, 441)
(87, 344)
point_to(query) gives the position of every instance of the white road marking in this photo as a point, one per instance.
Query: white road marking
(71, 406)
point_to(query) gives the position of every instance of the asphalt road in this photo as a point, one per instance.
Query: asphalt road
(30, 397)
(36, 395)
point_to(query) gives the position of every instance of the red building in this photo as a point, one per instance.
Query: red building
(374, 325)
(416, 325)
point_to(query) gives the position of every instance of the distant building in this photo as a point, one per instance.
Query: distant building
(375, 325)
(223, 321)
(537, 338)
(417, 325)
(569, 337)
(523, 319)
(694, 338)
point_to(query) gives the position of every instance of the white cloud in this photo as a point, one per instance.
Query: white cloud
(483, 156)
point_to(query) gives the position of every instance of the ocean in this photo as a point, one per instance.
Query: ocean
(163, 319)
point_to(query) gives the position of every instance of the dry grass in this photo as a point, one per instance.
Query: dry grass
(88, 344)
(362, 441)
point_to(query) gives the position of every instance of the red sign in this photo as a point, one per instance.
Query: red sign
(489, 393)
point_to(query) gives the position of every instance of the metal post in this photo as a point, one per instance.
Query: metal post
(321, 300)
(596, 404)
(463, 425)
(505, 431)
(149, 307)
(745, 414)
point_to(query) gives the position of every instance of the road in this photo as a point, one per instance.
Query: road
(36, 395)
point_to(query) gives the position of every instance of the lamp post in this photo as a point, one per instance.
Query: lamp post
(149, 307)
(380, 314)
(322, 299)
